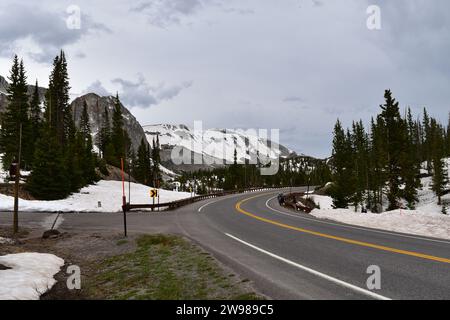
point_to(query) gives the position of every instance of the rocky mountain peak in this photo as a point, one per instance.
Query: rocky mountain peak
(96, 108)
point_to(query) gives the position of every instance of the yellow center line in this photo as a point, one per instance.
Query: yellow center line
(346, 240)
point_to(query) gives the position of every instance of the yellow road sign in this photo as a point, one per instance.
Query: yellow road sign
(153, 193)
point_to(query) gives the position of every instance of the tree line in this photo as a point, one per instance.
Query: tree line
(385, 162)
(294, 171)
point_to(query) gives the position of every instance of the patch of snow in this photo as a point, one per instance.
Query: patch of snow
(168, 171)
(30, 276)
(109, 193)
(324, 202)
(6, 241)
(3, 174)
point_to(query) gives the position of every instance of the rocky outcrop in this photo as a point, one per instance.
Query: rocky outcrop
(96, 109)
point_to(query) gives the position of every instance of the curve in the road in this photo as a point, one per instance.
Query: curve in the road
(341, 239)
(317, 220)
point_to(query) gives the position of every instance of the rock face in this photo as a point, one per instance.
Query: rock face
(96, 109)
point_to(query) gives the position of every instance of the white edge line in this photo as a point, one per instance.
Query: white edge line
(314, 272)
(352, 227)
(207, 204)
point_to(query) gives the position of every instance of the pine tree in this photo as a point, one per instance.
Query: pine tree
(87, 157)
(409, 164)
(48, 180)
(378, 162)
(85, 125)
(58, 113)
(142, 169)
(15, 118)
(342, 190)
(105, 134)
(395, 146)
(156, 161)
(360, 147)
(427, 141)
(119, 137)
(35, 115)
(440, 174)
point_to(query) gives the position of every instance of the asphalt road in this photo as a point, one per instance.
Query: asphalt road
(290, 255)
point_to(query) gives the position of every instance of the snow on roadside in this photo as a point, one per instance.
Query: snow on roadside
(109, 193)
(3, 174)
(30, 276)
(419, 222)
(6, 241)
(426, 220)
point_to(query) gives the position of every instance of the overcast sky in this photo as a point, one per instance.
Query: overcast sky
(295, 65)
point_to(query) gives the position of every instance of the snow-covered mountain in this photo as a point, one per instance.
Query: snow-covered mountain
(218, 144)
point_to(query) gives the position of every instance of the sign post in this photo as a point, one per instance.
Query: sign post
(157, 185)
(154, 194)
(124, 201)
(16, 187)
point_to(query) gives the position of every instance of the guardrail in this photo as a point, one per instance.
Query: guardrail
(183, 202)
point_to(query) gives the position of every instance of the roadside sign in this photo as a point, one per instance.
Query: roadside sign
(153, 193)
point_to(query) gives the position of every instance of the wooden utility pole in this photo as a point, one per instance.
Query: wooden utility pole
(16, 187)
(124, 200)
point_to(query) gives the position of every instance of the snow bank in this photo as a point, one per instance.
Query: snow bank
(324, 202)
(426, 220)
(109, 193)
(30, 276)
(6, 240)
(419, 222)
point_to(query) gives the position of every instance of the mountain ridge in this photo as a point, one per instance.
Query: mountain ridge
(217, 145)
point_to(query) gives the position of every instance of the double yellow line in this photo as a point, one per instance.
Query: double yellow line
(346, 240)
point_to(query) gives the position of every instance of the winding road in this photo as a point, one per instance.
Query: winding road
(290, 255)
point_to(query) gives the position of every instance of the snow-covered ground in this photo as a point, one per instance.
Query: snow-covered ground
(426, 220)
(30, 275)
(405, 221)
(3, 174)
(109, 193)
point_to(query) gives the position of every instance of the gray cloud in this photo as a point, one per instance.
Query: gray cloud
(293, 99)
(141, 94)
(415, 33)
(98, 88)
(46, 29)
(163, 13)
(274, 66)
